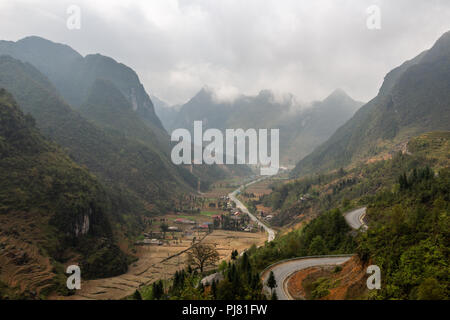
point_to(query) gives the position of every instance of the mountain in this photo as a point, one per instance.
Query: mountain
(301, 133)
(51, 210)
(107, 107)
(260, 111)
(141, 173)
(73, 75)
(414, 98)
(165, 112)
(131, 119)
(301, 129)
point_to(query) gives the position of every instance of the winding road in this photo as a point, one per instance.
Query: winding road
(355, 218)
(240, 205)
(283, 270)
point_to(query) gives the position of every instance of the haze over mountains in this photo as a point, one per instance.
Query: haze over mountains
(73, 75)
(301, 129)
(414, 98)
(85, 159)
(111, 170)
(129, 120)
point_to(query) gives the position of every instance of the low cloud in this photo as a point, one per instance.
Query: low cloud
(308, 48)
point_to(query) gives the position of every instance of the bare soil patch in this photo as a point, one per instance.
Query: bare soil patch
(348, 283)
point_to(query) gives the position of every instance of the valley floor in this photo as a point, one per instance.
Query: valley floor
(153, 264)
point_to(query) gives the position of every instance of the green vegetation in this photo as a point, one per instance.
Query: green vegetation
(320, 288)
(328, 234)
(67, 206)
(271, 282)
(349, 188)
(414, 99)
(241, 282)
(209, 213)
(408, 208)
(409, 237)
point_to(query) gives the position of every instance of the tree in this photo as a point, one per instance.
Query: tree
(203, 255)
(137, 295)
(157, 290)
(430, 289)
(164, 228)
(271, 282)
(274, 296)
(234, 254)
(317, 246)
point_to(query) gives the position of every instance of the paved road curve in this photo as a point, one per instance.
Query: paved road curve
(284, 270)
(240, 205)
(355, 218)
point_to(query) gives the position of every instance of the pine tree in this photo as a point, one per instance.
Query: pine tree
(271, 282)
(274, 296)
(137, 295)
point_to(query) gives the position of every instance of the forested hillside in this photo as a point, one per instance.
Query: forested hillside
(73, 75)
(77, 80)
(408, 237)
(132, 169)
(415, 98)
(51, 210)
(311, 195)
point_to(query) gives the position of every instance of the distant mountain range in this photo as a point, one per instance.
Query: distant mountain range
(73, 75)
(123, 140)
(414, 98)
(84, 156)
(301, 129)
(83, 167)
(122, 161)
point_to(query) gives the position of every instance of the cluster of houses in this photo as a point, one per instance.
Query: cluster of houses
(203, 226)
(265, 217)
(233, 217)
(151, 239)
(184, 221)
(150, 242)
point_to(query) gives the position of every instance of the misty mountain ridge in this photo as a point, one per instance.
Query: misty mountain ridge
(164, 111)
(73, 75)
(414, 98)
(302, 127)
(140, 171)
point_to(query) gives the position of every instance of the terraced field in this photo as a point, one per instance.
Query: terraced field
(161, 262)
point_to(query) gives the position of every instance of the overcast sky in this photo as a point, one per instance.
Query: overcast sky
(307, 48)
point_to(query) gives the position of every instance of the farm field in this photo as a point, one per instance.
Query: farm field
(154, 265)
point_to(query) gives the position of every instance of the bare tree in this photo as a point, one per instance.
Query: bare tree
(203, 255)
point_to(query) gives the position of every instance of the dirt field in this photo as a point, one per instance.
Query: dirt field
(149, 267)
(347, 284)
